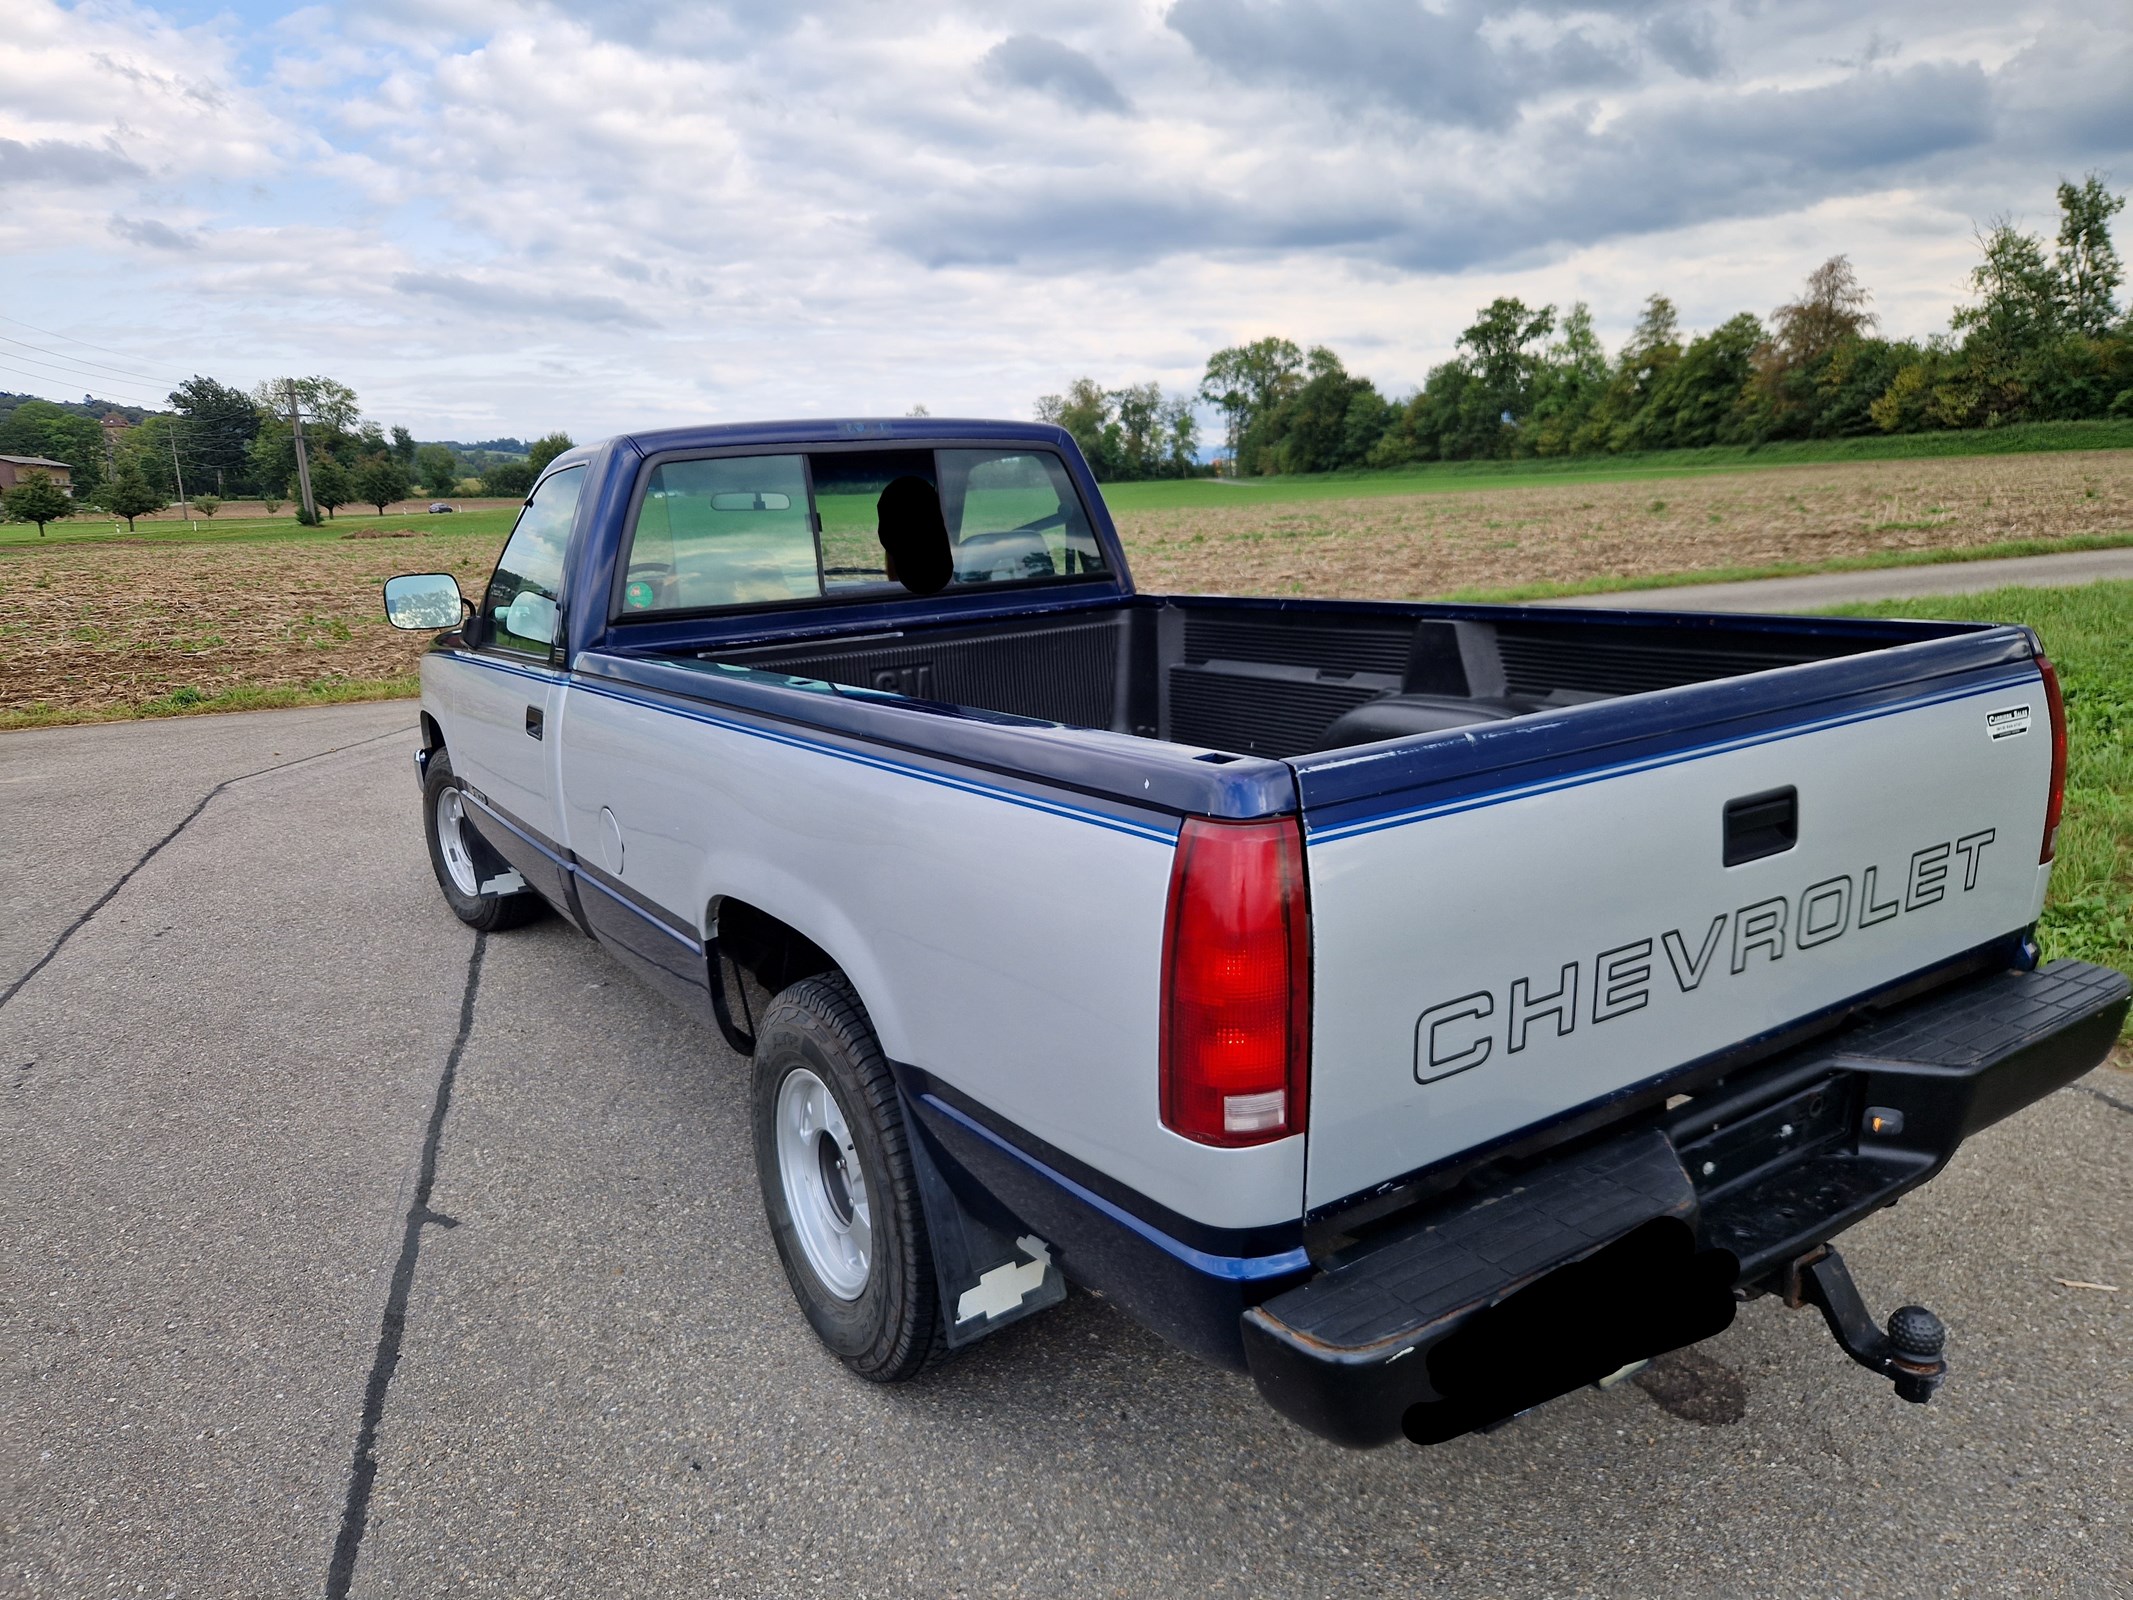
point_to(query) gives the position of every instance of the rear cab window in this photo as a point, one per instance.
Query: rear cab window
(783, 528)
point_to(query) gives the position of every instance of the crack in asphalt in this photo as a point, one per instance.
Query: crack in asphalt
(153, 850)
(355, 1516)
(2107, 1099)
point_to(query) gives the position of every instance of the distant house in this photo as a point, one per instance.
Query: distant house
(13, 467)
(115, 429)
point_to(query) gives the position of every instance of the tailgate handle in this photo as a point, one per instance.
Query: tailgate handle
(1759, 825)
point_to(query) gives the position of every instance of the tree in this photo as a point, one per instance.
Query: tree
(1571, 378)
(36, 498)
(542, 451)
(404, 448)
(1128, 433)
(206, 505)
(325, 401)
(220, 422)
(1332, 421)
(1653, 346)
(331, 486)
(379, 480)
(2087, 263)
(1697, 400)
(508, 480)
(271, 462)
(1830, 310)
(148, 450)
(2019, 303)
(41, 428)
(1248, 381)
(1790, 389)
(437, 467)
(129, 494)
(1087, 411)
(1503, 351)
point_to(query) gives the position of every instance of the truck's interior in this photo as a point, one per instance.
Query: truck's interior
(1255, 679)
(717, 532)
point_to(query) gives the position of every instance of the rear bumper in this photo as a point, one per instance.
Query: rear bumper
(1622, 1249)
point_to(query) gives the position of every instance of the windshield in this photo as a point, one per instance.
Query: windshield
(752, 530)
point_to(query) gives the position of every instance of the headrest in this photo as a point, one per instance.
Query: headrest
(915, 535)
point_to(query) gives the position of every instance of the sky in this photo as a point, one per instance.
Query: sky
(502, 219)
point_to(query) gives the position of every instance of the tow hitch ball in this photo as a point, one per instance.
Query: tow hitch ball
(1908, 1355)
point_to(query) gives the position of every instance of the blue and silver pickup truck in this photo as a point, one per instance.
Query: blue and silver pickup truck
(1425, 1008)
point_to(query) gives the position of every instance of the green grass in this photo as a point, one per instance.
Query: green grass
(1868, 561)
(189, 702)
(2088, 632)
(1457, 477)
(490, 525)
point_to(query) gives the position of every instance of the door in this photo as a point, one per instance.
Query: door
(513, 700)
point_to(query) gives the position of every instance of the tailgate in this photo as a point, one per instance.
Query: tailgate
(1515, 921)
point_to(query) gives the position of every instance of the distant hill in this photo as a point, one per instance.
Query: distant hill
(89, 406)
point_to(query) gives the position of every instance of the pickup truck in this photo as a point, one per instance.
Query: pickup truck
(1425, 1008)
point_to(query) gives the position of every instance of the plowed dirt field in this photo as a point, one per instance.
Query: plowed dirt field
(87, 628)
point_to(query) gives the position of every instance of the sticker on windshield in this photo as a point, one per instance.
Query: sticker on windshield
(2008, 722)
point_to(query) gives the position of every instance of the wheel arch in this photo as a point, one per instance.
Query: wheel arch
(780, 950)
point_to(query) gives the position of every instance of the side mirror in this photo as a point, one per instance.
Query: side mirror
(424, 601)
(531, 616)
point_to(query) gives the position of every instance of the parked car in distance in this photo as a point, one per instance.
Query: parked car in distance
(1425, 1008)
(438, 508)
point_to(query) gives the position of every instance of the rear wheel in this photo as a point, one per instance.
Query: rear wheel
(464, 862)
(834, 1158)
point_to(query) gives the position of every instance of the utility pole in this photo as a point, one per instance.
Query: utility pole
(303, 466)
(172, 435)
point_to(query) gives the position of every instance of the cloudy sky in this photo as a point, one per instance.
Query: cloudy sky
(502, 218)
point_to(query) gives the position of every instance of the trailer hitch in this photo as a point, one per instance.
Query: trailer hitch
(1908, 1355)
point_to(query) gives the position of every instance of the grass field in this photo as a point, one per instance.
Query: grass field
(2088, 633)
(247, 612)
(488, 521)
(1460, 477)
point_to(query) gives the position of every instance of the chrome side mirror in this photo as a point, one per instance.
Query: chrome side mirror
(425, 600)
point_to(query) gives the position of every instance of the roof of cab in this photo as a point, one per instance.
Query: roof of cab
(843, 430)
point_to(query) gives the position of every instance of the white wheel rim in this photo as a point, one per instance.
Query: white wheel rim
(452, 842)
(825, 1189)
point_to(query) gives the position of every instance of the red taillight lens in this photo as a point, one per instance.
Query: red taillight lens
(2056, 802)
(1236, 984)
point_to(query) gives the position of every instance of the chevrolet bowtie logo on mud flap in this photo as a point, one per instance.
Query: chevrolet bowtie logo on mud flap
(1455, 1036)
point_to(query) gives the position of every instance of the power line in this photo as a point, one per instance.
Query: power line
(72, 361)
(45, 377)
(51, 333)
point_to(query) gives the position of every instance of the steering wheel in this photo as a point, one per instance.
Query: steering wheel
(659, 575)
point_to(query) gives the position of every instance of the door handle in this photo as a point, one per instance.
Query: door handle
(535, 718)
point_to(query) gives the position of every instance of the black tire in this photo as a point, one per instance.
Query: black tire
(892, 1328)
(490, 913)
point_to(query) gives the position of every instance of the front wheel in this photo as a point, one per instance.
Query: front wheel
(834, 1158)
(468, 871)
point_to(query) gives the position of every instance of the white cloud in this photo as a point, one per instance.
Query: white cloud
(499, 218)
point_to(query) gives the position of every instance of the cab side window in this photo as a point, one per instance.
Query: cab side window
(520, 606)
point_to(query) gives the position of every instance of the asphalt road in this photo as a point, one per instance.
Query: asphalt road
(1817, 590)
(221, 1089)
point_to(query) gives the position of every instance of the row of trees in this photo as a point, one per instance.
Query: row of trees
(2044, 338)
(220, 441)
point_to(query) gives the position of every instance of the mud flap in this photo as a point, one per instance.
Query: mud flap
(991, 1273)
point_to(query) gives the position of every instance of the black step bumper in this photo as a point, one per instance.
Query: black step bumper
(1635, 1245)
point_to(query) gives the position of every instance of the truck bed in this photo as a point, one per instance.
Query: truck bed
(1520, 825)
(1277, 679)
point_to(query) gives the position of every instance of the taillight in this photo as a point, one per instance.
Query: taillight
(2054, 703)
(1236, 984)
